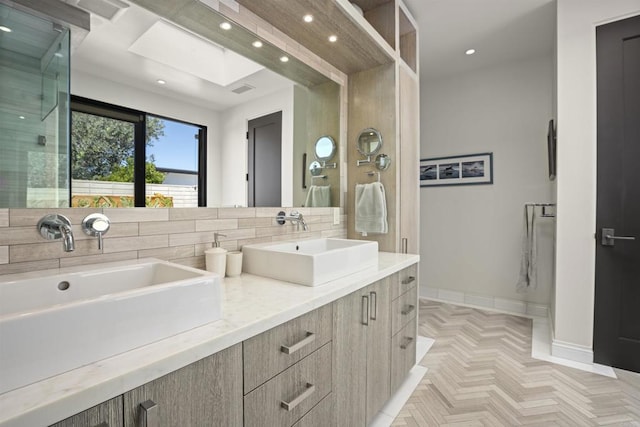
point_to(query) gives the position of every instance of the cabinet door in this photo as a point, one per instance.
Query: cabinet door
(378, 347)
(205, 393)
(409, 168)
(107, 414)
(350, 358)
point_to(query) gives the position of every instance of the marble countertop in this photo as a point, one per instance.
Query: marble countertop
(251, 305)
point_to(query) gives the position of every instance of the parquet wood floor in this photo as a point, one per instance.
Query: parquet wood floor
(481, 374)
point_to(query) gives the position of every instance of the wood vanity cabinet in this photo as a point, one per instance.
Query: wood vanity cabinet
(334, 366)
(106, 414)
(362, 362)
(205, 393)
(404, 312)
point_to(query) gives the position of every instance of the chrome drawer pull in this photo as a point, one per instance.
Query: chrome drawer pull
(408, 309)
(365, 310)
(290, 406)
(309, 338)
(409, 280)
(406, 343)
(149, 416)
(374, 302)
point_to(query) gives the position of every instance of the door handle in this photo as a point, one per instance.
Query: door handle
(609, 237)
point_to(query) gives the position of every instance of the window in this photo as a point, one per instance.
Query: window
(125, 158)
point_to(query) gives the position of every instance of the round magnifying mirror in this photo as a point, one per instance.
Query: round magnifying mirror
(315, 168)
(325, 148)
(383, 162)
(369, 142)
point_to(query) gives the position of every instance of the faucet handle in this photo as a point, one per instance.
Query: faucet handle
(96, 225)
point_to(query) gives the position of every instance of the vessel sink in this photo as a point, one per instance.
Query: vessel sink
(309, 262)
(51, 323)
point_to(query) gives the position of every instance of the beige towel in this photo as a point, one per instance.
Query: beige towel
(318, 196)
(371, 209)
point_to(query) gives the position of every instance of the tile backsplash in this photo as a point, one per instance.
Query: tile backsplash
(180, 235)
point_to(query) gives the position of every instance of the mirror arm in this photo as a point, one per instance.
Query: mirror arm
(364, 161)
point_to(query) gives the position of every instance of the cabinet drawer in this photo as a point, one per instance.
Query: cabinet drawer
(284, 399)
(403, 354)
(403, 310)
(273, 351)
(404, 280)
(322, 415)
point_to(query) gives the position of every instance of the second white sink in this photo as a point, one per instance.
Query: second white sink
(52, 323)
(310, 262)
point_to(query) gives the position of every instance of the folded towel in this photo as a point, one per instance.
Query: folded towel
(319, 196)
(371, 209)
(529, 263)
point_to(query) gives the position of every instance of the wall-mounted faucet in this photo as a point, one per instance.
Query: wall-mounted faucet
(56, 226)
(96, 225)
(295, 217)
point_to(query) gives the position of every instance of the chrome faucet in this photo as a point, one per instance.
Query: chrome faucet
(294, 217)
(56, 226)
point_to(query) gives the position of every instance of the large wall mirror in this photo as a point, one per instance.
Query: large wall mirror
(187, 71)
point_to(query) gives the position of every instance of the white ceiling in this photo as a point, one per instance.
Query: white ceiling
(112, 51)
(499, 30)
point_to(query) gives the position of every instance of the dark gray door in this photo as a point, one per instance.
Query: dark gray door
(617, 297)
(265, 160)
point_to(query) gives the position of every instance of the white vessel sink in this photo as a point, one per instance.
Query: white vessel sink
(105, 310)
(309, 262)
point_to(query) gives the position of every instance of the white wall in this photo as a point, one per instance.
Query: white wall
(471, 235)
(576, 187)
(88, 86)
(233, 138)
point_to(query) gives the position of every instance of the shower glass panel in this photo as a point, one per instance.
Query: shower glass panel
(34, 112)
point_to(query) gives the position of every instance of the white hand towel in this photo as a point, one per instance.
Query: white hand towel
(319, 196)
(371, 208)
(529, 263)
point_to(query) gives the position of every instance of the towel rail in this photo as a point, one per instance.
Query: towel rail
(372, 173)
(318, 177)
(544, 207)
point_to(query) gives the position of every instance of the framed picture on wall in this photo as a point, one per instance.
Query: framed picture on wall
(470, 169)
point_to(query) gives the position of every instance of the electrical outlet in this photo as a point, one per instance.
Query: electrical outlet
(336, 216)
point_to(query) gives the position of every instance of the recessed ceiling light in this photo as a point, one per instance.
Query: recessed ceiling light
(161, 82)
(21, 117)
(5, 29)
(308, 18)
(225, 26)
(284, 58)
(333, 38)
(470, 52)
(257, 43)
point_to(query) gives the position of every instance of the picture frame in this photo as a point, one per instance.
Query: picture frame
(469, 169)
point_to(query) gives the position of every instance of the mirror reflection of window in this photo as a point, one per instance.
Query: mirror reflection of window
(127, 158)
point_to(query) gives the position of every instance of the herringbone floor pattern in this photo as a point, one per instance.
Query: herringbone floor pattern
(481, 374)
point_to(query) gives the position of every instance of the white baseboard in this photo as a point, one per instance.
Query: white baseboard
(503, 305)
(573, 352)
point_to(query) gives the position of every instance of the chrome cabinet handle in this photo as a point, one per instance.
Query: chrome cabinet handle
(149, 414)
(309, 338)
(406, 343)
(365, 310)
(408, 309)
(409, 280)
(405, 245)
(290, 406)
(374, 303)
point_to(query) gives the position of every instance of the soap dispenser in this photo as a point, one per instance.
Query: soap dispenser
(216, 257)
